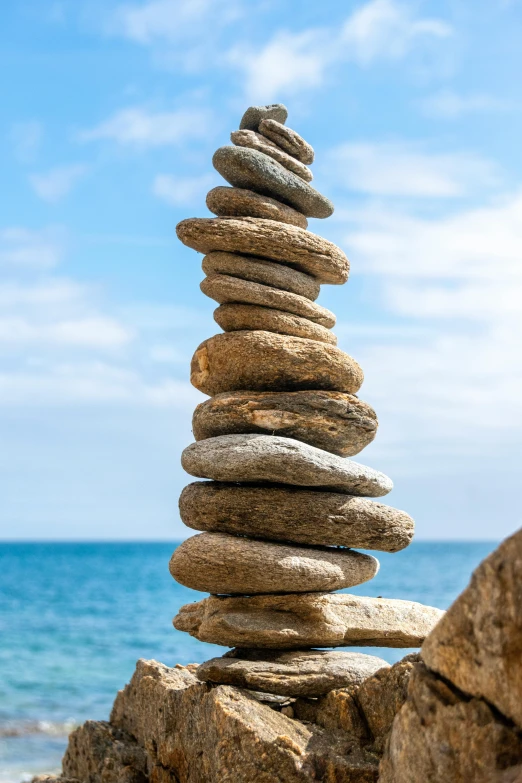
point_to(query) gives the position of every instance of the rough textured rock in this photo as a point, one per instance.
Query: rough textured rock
(225, 735)
(298, 516)
(255, 141)
(238, 202)
(266, 361)
(237, 317)
(259, 270)
(247, 168)
(254, 114)
(273, 459)
(225, 288)
(287, 139)
(333, 421)
(219, 563)
(99, 753)
(478, 644)
(291, 622)
(302, 673)
(268, 239)
(442, 735)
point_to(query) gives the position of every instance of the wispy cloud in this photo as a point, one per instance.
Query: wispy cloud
(449, 105)
(139, 127)
(21, 247)
(53, 185)
(182, 190)
(26, 138)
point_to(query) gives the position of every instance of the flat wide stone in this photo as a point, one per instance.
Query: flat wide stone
(268, 239)
(258, 270)
(286, 622)
(303, 673)
(222, 564)
(333, 421)
(239, 317)
(255, 141)
(286, 138)
(273, 459)
(238, 202)
(299, 516)
(265, 361)
(254, 114)
(247, 168)
(225, 288)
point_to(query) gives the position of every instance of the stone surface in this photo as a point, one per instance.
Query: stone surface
(227, 289)
(301, 673)
(99, 753)
(286, 138)
(273, 459)
(238, 202)
(255, 141)
(333, 421)
(298, 516)
(478, 645)
(266, 361)
(254, 114)
(290, 622)
(222, 564)
(259, 270)
(237, 317)
(247, 168)
(268, 239)
(441, 735)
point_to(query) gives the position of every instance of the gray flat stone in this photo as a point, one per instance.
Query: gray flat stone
(222, 564)
(238, 202)
(255, 141)
(248, 168)
(272, 459)
(238, 317)
(286, 138)
(306, 673)
(254, 114)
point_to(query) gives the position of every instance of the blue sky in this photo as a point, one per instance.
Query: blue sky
(109, 115)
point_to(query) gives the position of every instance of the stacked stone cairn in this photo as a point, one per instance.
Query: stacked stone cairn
(282, 508)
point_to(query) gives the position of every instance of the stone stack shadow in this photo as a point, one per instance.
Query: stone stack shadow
(282, 508)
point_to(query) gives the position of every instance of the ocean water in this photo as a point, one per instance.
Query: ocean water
(74, 619)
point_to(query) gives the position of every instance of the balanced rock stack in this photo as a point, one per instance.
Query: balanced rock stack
(282, 508)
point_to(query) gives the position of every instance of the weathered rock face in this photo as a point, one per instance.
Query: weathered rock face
(334, 421)
(235, 317)
(100, 752)
(255, 141)
(271, 458)
(290, 622)
(268, 239)
(232, 362)
(300, 516)
(219, 563)
(303, 673)
(478, 644)
(286, 138)
(254, 114)
(239, 202)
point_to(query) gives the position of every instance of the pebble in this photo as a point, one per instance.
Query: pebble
(286, 138)
(238, 202)
(255, 141)
(254, 114)
(236, 317)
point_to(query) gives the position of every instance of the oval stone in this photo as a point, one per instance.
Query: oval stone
(238, 202)
(254, 114)
(286, 138)
(255, 141)
(236, 317)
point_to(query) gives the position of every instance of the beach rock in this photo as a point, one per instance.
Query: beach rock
(442, 735)
(260, 271)
(255, 141)
(100, 753)
(302, 673)
(286, 138)
(247, 168)
(265, 361)
(254, 114)
(219, 563)
(238, 202)
(478, 644)
(291, 622)
(225, 288)
(273, 459)
(268, 239)
(236, 317)
(299, 516)
(333, 421)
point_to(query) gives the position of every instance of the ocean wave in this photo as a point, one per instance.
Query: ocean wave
(26, 728)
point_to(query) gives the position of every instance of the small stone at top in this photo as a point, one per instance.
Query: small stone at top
(254, 114)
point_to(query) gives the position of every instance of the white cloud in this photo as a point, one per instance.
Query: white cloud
(400, 169)
(57, 183)
(52, 292)
(136, 126)
(98, 332)
(450, 105)
(23, 248)
(177, 191)
(26, 138)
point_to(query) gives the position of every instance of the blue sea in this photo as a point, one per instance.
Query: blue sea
(74, 618)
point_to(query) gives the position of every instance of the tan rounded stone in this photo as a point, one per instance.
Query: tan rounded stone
(334, 421)
(239, 202)
(255, 141)
(269, 239)
(240, 317)
(286, 138)
(225, 288)
(222, 564)
(266, 361)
